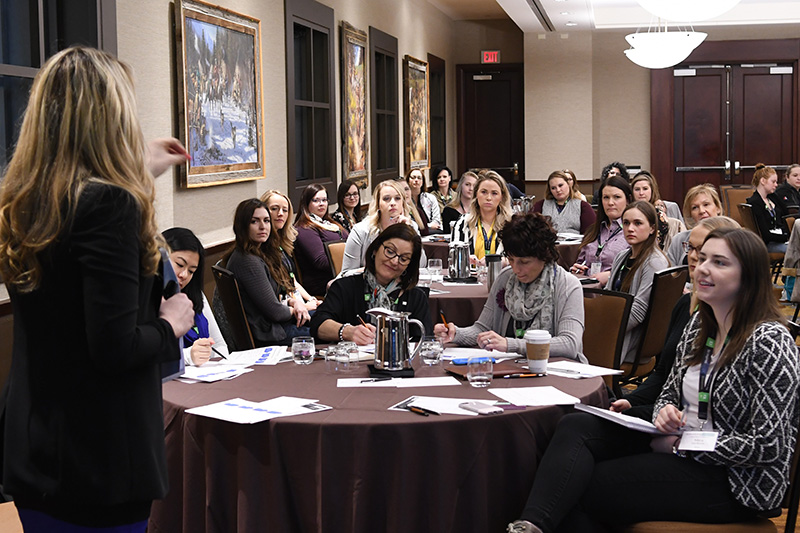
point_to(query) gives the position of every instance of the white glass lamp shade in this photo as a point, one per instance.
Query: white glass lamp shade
(654, 59)
(687, 10)
(662, 49)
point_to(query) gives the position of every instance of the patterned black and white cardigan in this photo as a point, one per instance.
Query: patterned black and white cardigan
(754, 401)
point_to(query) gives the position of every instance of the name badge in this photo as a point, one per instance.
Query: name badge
(698, 441)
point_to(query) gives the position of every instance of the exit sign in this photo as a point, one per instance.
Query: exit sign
(490, 56)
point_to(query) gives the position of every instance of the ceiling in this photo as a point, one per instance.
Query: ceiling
(589, 15)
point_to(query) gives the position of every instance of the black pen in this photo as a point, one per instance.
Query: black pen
(218, 353)
(374, 380)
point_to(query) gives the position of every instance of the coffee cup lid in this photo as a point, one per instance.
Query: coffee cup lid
(537, 335)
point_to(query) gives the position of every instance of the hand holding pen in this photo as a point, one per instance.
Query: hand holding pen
(361, 334)
(579, 268)
(446, 331)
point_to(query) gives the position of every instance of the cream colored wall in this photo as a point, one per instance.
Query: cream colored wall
(472, 36)
(145, 42)
(585, 105)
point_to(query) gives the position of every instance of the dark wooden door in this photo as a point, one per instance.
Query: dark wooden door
(730, 117)
(491, 120)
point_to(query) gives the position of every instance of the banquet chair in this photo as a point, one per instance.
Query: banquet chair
(235, 318)
(335, 253)
(667, 288)
(749, 222)
(605, 320)
(733, 195)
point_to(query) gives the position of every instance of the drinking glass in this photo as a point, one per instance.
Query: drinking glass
(435, 269)
(351, 351)
(303, 350)
(479, 371)
(425, 277)
(430, 350)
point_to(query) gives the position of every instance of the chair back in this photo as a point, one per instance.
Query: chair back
(667, 287)
(733, 195)
(605, 321)
(228, 290)
(335, 252)
(746, 218)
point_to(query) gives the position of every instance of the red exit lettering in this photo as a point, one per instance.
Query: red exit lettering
(490, 56)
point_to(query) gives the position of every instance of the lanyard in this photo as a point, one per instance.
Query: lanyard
(621, 273)
(706, 379)
(520, 327)
(487, 240)
(601, 244)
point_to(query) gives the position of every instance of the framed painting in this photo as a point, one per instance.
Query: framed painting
(354, 103)
(416, 119)
(219, 91)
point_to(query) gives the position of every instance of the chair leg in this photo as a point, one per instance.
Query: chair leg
(796, 311)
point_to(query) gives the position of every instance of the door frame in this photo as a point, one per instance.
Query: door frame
(463, 70)
(662, 97)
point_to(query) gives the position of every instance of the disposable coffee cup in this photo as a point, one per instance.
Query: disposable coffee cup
(538, 350)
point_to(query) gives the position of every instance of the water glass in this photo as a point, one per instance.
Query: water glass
(351, 351)
(303, 350)
(479, 371)
(435, 269)
(425, 278)
(430, 350)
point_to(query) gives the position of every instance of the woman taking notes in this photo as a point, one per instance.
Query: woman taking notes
(274, 314)
(634, 268)
(735, 374)
(188, 258)
(534, 293)
(82, 424)
(489, 211)
(389, 280)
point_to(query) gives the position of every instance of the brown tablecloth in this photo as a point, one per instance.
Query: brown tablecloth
(568, 253)
(462, 304)
(356, 468)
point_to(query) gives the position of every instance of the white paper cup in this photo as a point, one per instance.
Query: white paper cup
(538, 350)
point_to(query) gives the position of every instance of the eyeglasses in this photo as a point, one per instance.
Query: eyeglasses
(319, 200)
(391, 253)
(351, 195)
(688, 248)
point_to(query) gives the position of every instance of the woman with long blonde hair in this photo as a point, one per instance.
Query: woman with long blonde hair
(489, 211)
(78, 253)
(388, 206)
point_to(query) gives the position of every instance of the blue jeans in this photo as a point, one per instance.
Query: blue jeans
(596, 473)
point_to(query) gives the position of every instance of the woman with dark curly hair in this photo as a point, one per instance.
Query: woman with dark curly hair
(614, 169)
(533, 292)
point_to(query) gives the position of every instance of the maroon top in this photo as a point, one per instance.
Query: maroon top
(310, 257)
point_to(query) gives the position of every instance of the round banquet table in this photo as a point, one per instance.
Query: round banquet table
(357, 467)
(461, 304)
(568, 252)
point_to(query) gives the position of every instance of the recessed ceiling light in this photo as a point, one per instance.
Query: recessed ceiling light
(566, 13)
(570, 24)
(561, 0)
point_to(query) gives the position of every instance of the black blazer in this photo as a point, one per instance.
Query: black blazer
(766, 222)
(786, 195)
(82, 424)
(346, 301)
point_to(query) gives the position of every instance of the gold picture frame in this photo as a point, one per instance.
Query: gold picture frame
(218, 54)
(416, 119)
(355, 149)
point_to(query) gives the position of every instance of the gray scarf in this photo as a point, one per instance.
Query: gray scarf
(532, 301)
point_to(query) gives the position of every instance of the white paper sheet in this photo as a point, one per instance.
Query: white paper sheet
(440, 405)
(401, 383)
(451, 353)
(622, 419)
(575, 370)
(211, 373)
(243, 411)
(535, 396)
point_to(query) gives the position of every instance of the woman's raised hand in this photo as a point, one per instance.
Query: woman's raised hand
(669, 419)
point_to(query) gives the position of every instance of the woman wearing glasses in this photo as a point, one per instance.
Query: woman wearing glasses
(348, 210)
(389, 280)
(535, 293)
(315, 227)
